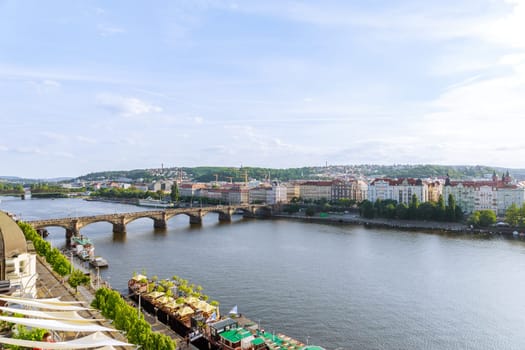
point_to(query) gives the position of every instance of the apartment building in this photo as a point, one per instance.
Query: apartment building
(400, 190)
(354, 189)
(496, 194)
(316, 190)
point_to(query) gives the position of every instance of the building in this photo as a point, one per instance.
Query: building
(191, 189)
(400, 190)
(496, 194)
(341, 189)
(293, 191)
(162, 185)
(237, 194)
(435, 189)
(278, 194)
(260, 194)
(316, 190)
(17, 258)
(356, 190)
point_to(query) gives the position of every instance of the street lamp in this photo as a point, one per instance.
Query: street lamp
(138, 312)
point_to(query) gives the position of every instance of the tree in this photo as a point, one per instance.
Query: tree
(513, 215)
(175, 192)
(402, 211)
(426, 210)
(310, 211)
(413, 208)
(459, 213)
(366, 209)
(483, 218)
(474, 218)
(78, 278)
(440, 209)
(487, 218)
(450, 211)
(390, 211)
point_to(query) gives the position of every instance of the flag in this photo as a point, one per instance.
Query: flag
(212, 318)
(233, 310)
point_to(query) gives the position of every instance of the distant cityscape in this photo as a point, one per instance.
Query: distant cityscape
(473, 187)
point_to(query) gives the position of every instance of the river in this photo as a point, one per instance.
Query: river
(341, 287)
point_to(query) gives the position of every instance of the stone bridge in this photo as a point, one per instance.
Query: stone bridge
(159, 217)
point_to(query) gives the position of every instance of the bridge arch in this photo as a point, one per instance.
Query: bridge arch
(159, 217)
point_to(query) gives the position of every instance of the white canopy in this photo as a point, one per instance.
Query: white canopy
(46, 300)
(45, 304)
(55, 315)
(95, 340)
(66, 326)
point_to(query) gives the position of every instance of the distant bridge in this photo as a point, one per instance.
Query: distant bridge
(159, 217)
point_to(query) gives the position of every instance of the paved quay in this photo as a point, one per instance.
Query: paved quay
(49, 285)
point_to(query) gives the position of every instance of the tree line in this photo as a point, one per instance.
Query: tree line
(8, 188)
(54, 257)
(432, 211)
(125, 318)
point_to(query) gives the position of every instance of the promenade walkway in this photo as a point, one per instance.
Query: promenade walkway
(49, 284)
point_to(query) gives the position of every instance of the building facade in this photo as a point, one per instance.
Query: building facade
(316, 190)
(17, 258)
(496, 195)
(400, 190)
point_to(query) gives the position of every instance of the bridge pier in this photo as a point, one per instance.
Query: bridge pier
(224, 217)
(119, 228)
(195, 220)
(70, 233)
(160, 223)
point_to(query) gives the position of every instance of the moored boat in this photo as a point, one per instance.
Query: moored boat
(154, 203)
(187, 312)
(82, 247)
(98, 261)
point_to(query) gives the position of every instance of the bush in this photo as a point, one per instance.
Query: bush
(125, 317)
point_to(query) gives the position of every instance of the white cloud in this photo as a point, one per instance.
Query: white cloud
(198, 120)
(29, 150)
(46, 86)
(51, 74)
(126, 106)
(84, 139)
(108, 30)
(54, 136)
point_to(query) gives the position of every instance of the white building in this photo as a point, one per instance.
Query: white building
(277, 194)
(17, 258)
(496, 195)
(400, 190)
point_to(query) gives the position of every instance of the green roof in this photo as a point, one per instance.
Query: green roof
(258, 341)
(235, 335)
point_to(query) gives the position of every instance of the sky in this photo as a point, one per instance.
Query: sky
(91, 86)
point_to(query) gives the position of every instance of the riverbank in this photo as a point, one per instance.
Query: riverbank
(407, 225)
(354, 219)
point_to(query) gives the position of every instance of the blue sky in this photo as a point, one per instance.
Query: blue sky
(97, 85)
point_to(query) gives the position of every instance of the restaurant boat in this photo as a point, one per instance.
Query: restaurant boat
(189, 315)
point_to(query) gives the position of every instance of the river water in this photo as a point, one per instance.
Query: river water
(341, 287)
